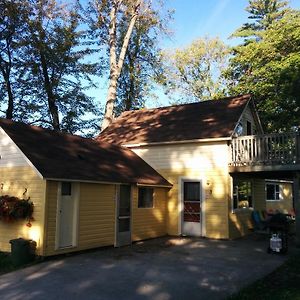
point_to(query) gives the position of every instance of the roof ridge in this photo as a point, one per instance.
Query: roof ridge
(183, 104)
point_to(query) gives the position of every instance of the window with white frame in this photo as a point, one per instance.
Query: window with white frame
(242, 194)
(145, 197)
(273, 191)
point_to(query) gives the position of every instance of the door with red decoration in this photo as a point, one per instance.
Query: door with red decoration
(191, 212)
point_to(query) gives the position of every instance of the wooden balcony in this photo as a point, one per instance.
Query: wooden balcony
(268, 152)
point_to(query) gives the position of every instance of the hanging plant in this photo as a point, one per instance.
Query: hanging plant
(13, 209)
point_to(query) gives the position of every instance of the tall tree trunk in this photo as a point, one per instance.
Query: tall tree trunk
(10, 102)
(116, 68)
(50, 96)
(5, 69)
(10, 106)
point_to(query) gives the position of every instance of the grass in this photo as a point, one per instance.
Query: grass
(283, 283)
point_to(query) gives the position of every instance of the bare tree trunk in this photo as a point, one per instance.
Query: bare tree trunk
(10, 106)
(116, 68)
(10, 102)
(50, 96)
(5, 69)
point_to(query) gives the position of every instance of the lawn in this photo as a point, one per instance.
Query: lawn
(283, 283)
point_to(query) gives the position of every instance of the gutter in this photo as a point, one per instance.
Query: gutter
(178, 142)
(107, 182)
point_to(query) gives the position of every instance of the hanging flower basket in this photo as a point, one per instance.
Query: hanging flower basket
(13, 209)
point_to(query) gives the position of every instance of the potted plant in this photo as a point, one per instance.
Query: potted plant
(13, 209)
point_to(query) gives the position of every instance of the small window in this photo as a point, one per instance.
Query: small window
(273, 192)
(66, 188)
(145, 197)
(191, 191)
(242, 194)
(249, 128)
(239, 129)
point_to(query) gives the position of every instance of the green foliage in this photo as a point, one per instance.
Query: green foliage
(12, 26)
(195, 72)
(264, 13)
(49, 74)
(270, 69)
(142, 62)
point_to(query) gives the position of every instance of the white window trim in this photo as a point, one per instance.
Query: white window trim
(116, 197)
(153, 200)
(274, 183)
(181, 180)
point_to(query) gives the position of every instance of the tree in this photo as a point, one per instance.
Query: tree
(196, 71)
(12, 26)
(142, 60)
(113, 23)
(264, 13)
(270, 70)
(104, 18)
(54, 69)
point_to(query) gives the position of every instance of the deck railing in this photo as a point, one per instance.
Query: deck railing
(270, 149)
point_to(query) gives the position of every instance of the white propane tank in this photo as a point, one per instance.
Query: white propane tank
(275, 243)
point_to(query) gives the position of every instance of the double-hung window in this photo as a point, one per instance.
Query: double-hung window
(273, 191)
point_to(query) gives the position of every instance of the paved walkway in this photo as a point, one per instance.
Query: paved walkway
(160, 269)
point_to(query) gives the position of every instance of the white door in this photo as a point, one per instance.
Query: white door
(66, 215)
(191, 212)
(123, 220)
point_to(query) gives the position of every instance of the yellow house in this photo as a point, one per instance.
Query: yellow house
(197, 169)
(85, 193)
(218, 159)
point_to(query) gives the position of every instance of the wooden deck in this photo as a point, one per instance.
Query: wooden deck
(268, 152)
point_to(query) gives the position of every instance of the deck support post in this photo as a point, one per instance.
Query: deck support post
(296, 196)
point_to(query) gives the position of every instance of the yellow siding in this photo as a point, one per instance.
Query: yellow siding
(96, 226)
(149, 222)
(205, 161)
(15, 180)
(259, 196)
(240, 222)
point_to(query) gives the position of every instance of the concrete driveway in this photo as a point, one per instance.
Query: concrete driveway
(164, 268)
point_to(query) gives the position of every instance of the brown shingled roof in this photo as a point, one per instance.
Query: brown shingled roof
(201, 120)
(63, 156)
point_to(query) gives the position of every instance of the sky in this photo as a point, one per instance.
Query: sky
(194, 19)
(197, 18)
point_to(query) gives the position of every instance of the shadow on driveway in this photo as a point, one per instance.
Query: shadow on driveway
(164, 268)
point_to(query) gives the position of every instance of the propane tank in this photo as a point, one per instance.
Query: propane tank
(275, 243)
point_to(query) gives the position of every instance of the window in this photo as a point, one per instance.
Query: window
(145, 197)
(242, 194)
(273, 192)
(239, 129)
(66, 188)
(249, 128)
(191, 191)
